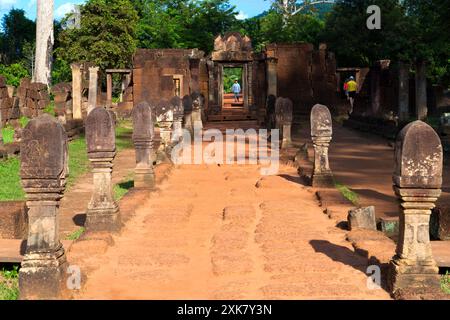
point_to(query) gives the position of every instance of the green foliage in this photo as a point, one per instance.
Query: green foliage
(24, 121)
(9, 283)
(229, 76)
(10, 187)
(50, 109)
(8, 135)
(347, 193)
(17, 30)
(445, 283)
(61, 71)
(13, 73)
(76, 234)
(183, 23)
(121, 189)
(106, 36)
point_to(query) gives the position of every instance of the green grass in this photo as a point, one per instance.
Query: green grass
(9, 283)
(445, 283)
(121, 189)
(76, 234)
(348, 193)
(124, 131)
(24, 121)
(10, 187)
(8, 135)
(78, 160)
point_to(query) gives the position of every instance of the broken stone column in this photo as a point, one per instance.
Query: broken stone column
(375, 90)
(109, 84)
(164, 117)
(103, 211)
(187, 107)
(93, 87)
(272, 79)
(44, 42)
(43, 172)
(421, 90)
(197, 106)
(286, 118)
(417, 184)
(403, 91)
(77, 90)
(321, 134)
(178, 114)
(143, 135)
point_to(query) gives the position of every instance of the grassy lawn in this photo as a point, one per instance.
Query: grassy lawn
(9, 283)
(10, 188)
(8, 135)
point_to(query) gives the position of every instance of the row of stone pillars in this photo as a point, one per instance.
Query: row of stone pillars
(44, 169)
(417, 182)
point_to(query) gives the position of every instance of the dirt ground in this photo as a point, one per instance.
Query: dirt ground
(226, 232)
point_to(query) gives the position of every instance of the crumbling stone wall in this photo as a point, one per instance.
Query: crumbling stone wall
(33, 98)
(154, 71)
(304, 75)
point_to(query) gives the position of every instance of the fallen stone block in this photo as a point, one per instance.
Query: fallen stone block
(362, 218)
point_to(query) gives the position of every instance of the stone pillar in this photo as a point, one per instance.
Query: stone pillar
(421, 90)
(93, 86)
(403, 91)
(321, 133)
(164, 116)
(375, 90)
(197, 106)
(109, 90)
(143, 135)
(286, 122)
(103, 212)
(272, 86)
(187, 107)
(43, 171)
(178, 113)
(417, 184)
(77, 89)
(44, 42)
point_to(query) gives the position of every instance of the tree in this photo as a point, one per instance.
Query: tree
(17, 30)
(44, 42)
(106, 35)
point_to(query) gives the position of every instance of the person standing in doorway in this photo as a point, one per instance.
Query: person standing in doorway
(236, 89)
(352, 87)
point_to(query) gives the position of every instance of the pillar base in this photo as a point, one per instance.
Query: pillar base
(144, 180)
(324, 180)
(42, 275)
(406, 280)
(103, 220)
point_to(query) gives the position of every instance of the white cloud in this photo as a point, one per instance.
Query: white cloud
(7, 3)
(64, 9)
(241, 15)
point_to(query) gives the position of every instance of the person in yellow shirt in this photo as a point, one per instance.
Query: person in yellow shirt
(352, 88)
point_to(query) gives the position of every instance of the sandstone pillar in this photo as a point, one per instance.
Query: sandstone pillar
(93, 87)
(417, 184)
(284, 118)
(109, 90)
(321, 133)
(103, 211)
(421, 90)
(44, 42)
(272, 86)
(77, 90)
(375, 90)
(164, 116)
(43, 173)
(187, 107)
(143, 135)
(178, 113)
(197, 107)
(403, 91)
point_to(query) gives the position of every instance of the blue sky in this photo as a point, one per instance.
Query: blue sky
(246, 8)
